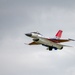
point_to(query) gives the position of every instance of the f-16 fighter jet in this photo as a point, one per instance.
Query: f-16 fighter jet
(50, 43)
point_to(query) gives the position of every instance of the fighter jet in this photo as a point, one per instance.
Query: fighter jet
(50, 43)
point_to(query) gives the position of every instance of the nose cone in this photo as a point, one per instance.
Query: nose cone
(28, 35)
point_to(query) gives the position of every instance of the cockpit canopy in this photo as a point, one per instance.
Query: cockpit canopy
(36, 33)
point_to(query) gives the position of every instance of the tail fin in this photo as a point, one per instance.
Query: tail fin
(58, 34)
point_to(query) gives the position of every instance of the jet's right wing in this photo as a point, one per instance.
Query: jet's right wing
(32, 43)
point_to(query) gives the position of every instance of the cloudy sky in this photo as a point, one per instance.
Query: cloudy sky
(18, 17)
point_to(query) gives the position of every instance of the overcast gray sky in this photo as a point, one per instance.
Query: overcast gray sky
(45, 16)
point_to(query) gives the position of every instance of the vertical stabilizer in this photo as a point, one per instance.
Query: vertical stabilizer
(59, 34)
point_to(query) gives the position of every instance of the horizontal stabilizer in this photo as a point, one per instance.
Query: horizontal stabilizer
(71, 39)
(66, 45)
